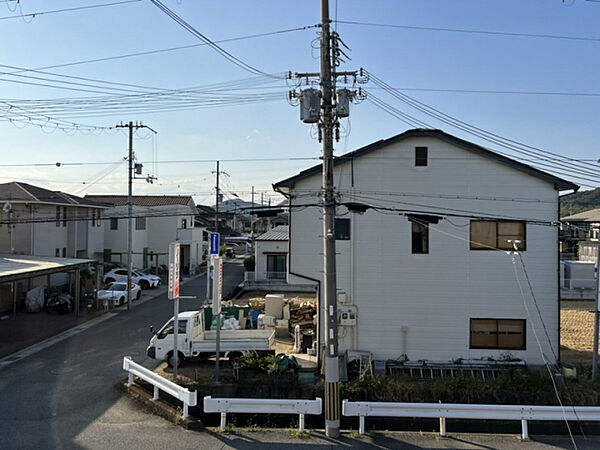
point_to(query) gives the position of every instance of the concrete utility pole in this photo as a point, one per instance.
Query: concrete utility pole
(332, 368)
(596, 312)
(218, 343)
(252, 223)
(130, 177)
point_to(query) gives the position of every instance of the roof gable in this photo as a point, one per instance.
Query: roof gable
(19, 192)
(559, 183)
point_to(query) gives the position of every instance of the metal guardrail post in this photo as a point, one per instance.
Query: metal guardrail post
(129, 379)
(155, 397)
(524, 430)
(442, 426)
(301, 423)
(223, 420)
(361, 424)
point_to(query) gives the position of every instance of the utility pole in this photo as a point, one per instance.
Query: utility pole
(332, 368)
(596, 312)
(130, 177)
(252, 223)
(325, 112)
(218, 343)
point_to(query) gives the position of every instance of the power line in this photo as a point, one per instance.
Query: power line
(467, 31)
(78, 8)
(238, 62)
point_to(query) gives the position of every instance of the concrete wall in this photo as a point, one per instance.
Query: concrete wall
(420, 304)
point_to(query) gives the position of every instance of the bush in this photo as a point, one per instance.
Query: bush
(253, 361)
(249, 264)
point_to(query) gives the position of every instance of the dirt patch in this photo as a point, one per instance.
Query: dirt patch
(576, 332)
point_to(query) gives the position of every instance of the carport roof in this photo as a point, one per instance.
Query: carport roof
(18, 267)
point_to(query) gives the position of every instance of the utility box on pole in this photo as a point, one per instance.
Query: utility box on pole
(310, 106)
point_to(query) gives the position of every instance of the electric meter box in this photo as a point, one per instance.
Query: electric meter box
(310, 105)
(343, 99)
(347, 316)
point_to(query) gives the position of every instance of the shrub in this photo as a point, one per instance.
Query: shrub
(249, 264)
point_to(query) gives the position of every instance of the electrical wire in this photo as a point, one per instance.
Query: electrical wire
(41, 13)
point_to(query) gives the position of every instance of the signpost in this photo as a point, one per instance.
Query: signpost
(213, 251)
(174, 295)
(216, 307)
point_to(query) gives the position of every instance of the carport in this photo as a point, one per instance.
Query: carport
(14, 268)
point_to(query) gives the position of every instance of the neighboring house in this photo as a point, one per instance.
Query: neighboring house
(270, 255)
(158, 221)
(427, 270)
(48, 226)
(579, 236)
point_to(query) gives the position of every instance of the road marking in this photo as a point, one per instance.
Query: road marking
(35, 348)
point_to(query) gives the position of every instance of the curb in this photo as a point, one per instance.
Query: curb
(158, 407)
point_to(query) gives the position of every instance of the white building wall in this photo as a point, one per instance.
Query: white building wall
(262, 249)
(420, 304)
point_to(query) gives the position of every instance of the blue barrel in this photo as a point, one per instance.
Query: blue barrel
(254, 317)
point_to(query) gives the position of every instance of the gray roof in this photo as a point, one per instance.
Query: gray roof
(559, 183)
(16, 267)
(144, 200)
(279, 233)
(18, 192)
(593, 215)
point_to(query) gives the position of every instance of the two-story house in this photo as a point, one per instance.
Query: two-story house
(50, 223)
(158, 220)
(425, 227)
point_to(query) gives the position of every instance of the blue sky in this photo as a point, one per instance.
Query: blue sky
(403, 58)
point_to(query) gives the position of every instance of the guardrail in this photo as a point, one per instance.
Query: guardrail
(462, 411)
(188, 398)
(262, 406)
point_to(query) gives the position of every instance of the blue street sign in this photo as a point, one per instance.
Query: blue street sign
(214, 243)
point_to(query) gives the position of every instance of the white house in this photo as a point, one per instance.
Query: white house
(158, 220)
(44, 223)
(270, 254)
(426, 270)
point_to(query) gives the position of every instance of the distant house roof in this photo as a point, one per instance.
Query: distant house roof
(18, 192)
(279, 233)
(593, 215)
(559, 183)
(144, 200)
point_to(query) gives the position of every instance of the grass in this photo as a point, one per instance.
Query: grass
(295, 432)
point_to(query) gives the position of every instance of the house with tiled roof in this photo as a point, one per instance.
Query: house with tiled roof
(49, 223)
(157, 221)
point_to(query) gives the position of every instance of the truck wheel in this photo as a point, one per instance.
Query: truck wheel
(170, 359)
(122, 301)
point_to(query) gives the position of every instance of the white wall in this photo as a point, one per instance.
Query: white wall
(433, 295)
(262, 249)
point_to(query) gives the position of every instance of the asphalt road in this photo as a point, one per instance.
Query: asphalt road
(63, 396)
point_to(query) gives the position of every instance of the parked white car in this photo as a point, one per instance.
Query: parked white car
(120, 274)
(117, 293)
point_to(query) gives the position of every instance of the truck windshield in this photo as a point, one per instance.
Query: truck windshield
(168, 329)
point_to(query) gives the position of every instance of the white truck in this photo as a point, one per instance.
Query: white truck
(194, 341)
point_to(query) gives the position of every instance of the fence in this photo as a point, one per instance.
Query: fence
(262, 406)
(188, 398)
(461, 411)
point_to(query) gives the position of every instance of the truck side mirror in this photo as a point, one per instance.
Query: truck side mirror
(152, 330)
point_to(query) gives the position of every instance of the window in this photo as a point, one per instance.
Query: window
(64, 252)
(183, 223)
(420, 156)
(64, 221)
(57, 252)
(420, 237)
(168, 329)
(342, 229)
(114, 223)
(491, 234)
(504, 334)
(276, 266)
(140, 223)
(58, 216)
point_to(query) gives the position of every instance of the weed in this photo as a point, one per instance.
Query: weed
(229, 428)
(253, 427)
(295, 432)
(372, 434)
(354, 434)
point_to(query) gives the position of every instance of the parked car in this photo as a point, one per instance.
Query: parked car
(117, 292)
(144, 280)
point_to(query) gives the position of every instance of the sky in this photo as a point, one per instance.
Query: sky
(414, 55)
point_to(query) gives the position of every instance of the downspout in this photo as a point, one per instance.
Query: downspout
(32, 236)
(318, 282)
